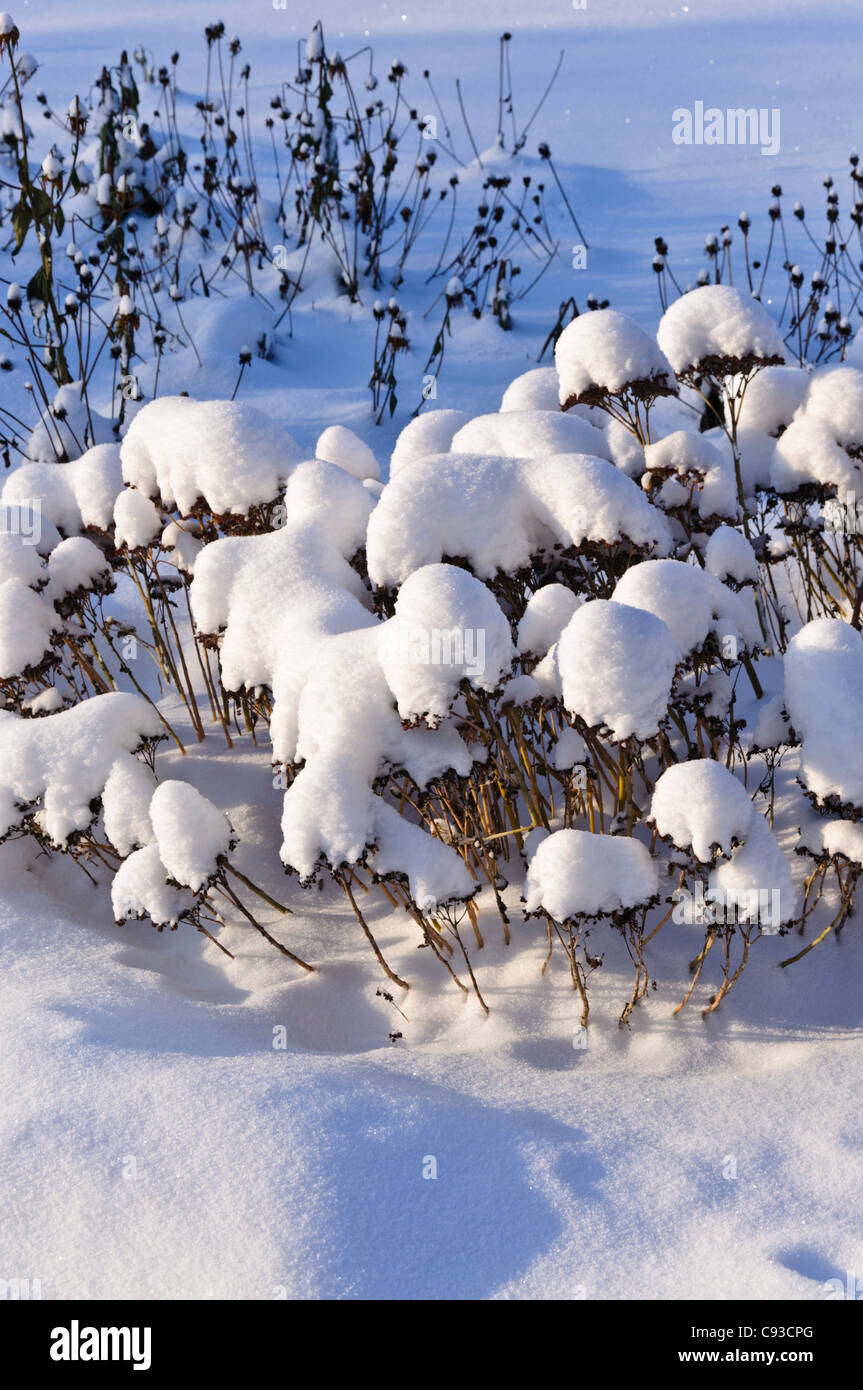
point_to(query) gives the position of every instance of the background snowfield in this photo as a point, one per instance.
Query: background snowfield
(155, 1143)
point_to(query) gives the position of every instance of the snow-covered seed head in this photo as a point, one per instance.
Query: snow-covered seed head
(9, 34)
(719, 330)
(605, 354)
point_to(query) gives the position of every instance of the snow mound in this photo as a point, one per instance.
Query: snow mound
(683, 456)
(227, 455)
(691, 602)
(616, 665)
(75, 567)
(533, 390)
(126, 805)
(447, 627)
(573, 873)
(822, 444)
(191, 834)
(729, 555)
(137, 522)
(603, 352)
(718, 329)
(19, 559)
(548, 611)
(342, 447)
(530, 434)
(701, 805)
(28, 626)
(73, 497)
(824, 700)
(141, 889)
(55, 769)
(434, 873)
(497, 513)
(772, 399)
(756, 880)
(430, 433)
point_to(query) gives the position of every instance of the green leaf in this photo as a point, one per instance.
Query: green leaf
(38, 288)
(42, 207)
(21, 220)
(59, 221)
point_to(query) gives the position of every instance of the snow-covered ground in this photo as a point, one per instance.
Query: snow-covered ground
(178, 1124)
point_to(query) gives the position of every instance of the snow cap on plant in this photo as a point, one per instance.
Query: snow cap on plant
(498, 513)
(823, 444)
(9, 34)
(717, 329)
(573, 873)
(616, 666)
(688, 470)
(603, 354)
(701, 806)
(53, 770)
(447, 627)
(691, 602)
(192, 835)
(824, 700)
(226, 455)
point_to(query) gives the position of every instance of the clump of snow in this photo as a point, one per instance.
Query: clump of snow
(756, 880)
(604, 352)
(25, 521)
(72, 496)
(823, 442)
(626, 452)
(573, 873)
(771, 727)
(616, 665)
(430, 433)
(19, 559)
(56, 768)
(496, 513)
(141, 889)
(824, 700)
(772, 398)
(77, 566)
(191, 834)
(348, 732)
(569, 750)
(718, 328)
(682, 456)
(729, 555)
(548, 611)
(225, 454)
(341, 446)
(700, 805)
(183, 542)
(28, 625)
(533, 390)
(436, 875)
(530, 434)
(447, 627)
(137, 522)
(126, 805)
(691, 602)
(843, 838)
